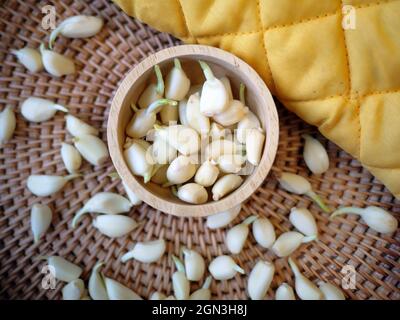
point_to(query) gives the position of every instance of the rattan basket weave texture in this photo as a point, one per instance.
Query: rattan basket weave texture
(35, 149)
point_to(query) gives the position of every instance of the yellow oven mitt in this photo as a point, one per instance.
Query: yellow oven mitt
(345, 81)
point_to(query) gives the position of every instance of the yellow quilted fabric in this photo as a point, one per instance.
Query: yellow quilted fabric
(345, 81)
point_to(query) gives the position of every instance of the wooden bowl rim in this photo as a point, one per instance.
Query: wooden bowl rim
(251, 183)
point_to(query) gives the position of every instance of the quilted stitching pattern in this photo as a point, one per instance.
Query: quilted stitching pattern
(346, 82)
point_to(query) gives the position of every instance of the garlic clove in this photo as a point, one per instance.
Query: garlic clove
(331, 292)
(204, 292)
(207, 174)
(288, 242)
(148, 96)
(29, 58)
(214, 97)
(133, 198)
(157, 296)
(180, 283)
(236, 237)
(177, 84)
(114, 226)
(73, 290)
(92, 149)
(224, 268)
(376, 218)
(182, 112)
(193, 193)
(222, 219)
(63, 269)
(76, 127)
(220, 147)
(180, 170)
(71, 158)
(38, 110)
(217, 131)
(56, 64)
(146, 252)
(182, 138)
(117, 291)
(139, 161)
(7, 124)
(235, 112)
(225, 185)
(41, 216)
(254, 145)
(284, 292)
(231, 163)
(315, 155)
(260, 279)
(161, 152)
(264, 232)
(194, 265)
(97, 288)
(227, 85)
(304, 221)
(44, 185)
(103, 202)
(195, 118)
(160, 175)
(305, 289)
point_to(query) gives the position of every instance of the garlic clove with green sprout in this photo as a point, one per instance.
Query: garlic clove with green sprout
(37, 109)
(180, 170)
(222, 219)
(117, 291)
(235, 112)
(133, 198)
(227, 85)
(182, 112)
(214, 97)
(264, 232)
(177, 84)
(304, 221)
(76, 127)
(63, 269)
(204, 293)
(56, 64)
(376, 218)
(73, 290)
(114, 226)
(207, 174)
(305, 289)
(45, 185)
(182, 138)
(224, 268)
(225, 185)
(254, 145)
(288, 242)
(315, 155)
(195, 118)
(41, 216)
(194, 265)
(260, 279)
(193, 193)
(139, 161)
(299, 185)
(96, 287)
(153, 91)
(180, 283)
(7, 124)
(231, 163)
(330, 292)
(159, 175)
(236, 236)
(71, 157)
(146, 252)
(284, 292)
(103, 202)
(92, 149)
(29, 58)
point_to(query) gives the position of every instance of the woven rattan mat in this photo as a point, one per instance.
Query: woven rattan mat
(103, 62)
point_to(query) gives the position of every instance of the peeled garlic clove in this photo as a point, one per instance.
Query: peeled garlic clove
(73, 290)
(43, 185)
(227, 85)
(41, 216)
(315, 155)
(204, 292)
(264, 232)
(56, 64)
(139, 161)
(249, 121)
(76, 127)
(63, 269)
(224, 268)
(214, 97)
(299, 185)
(207, 174)
(97, 287)
(169, 114)
(71, 157)
(232, 115)
(133, 198)
(194, 265)
(157, 296)
(103, 202)
(114, 226)
(80, 26)
(161, 152)
(288, 242)
(117, 291)
(193, 193)
(222, 219)
(177, 84)
(260, 279)
(220, 147)
(7, 124)
(254, 145)
(38, 110)
(225, 185)
(376, 218)
(195, 118)
(330, 291)
(304, 221)
(231, 163)
(180, 283)
(160, 175)
(181, 170)
(237, 236)
(148, 96)
(29, 58)
(284, 292)
(217, 131)
(146, 252)
(184, 139)
(92, 149)
(305, 289)
(182, 112)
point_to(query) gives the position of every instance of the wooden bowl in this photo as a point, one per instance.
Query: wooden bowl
(258, 99)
